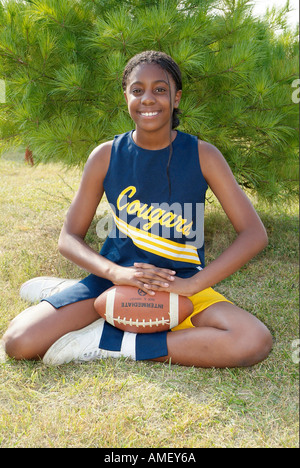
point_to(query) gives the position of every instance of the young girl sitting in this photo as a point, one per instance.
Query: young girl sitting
(155, 179)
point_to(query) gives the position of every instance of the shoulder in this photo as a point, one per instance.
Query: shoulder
(213, 164)
(101, 153)
(209, 153)
(98, 161)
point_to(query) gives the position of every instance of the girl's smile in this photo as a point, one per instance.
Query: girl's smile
(149, 114)
(151, 97)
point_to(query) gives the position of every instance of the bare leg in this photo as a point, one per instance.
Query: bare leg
(224, 336)
(32, 333)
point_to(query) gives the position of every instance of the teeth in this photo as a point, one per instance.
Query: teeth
(149, 114)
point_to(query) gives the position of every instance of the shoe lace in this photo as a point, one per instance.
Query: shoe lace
(90, 355)
(51, 290)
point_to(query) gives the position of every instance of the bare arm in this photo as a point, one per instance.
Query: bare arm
(251, 235)
(79, 217)
(81, 213)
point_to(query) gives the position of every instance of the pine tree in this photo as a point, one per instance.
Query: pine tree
(62, 62)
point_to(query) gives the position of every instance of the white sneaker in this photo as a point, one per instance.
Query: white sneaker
(39, 288)
(79, 346)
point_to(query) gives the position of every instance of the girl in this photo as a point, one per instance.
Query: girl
(155, 178)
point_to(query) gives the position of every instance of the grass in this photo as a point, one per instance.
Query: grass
(124, 404)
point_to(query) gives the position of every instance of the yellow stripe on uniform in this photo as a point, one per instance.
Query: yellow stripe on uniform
(158, 245)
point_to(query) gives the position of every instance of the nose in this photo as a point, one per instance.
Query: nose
(148, 98)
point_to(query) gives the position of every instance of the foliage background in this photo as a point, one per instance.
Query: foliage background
(62, 63)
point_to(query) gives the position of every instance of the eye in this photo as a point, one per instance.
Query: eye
(136, 91)
(160, 90)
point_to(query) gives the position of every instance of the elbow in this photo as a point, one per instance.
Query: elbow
(68, 244)
(62, 244)
(61, 248)
(262, 239)
(257, 239)
(264, 235)
(266, 240)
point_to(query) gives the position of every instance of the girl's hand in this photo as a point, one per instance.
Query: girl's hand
(159, 279)
(144, 276)
(180, 286)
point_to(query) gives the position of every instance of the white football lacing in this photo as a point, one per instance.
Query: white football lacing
(142, 323)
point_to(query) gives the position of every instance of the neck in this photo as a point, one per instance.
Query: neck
(153, 140)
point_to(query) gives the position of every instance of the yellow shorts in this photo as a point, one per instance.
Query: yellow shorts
(201, 301)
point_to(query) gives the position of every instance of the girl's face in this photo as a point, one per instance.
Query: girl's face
(148, 97)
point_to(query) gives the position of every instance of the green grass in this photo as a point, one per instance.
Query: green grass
(119, 403)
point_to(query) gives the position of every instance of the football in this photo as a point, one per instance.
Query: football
(131, 309)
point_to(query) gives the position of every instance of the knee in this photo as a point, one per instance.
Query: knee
(255, 347)
(17, 345)
(19, 342)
